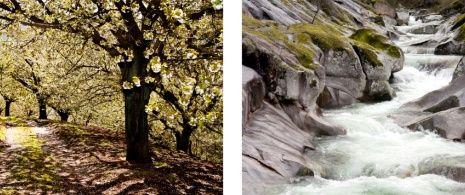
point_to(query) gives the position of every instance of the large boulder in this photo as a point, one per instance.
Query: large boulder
(273, 149)
(383, 8)
(426, 29)
(402, 18)
(379, 58)
(451, 167)
(450, 96)
(451, 47)
(253, 92)
(448, 123)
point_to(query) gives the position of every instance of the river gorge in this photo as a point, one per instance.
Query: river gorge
(366, 99)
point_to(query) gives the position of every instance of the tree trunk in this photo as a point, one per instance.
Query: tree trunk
(63, 116)
(135, 100)
(183, 139)
(42, 109)
(7, 108)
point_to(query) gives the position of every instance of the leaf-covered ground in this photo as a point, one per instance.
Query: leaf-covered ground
(61, 158)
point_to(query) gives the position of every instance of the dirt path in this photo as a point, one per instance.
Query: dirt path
(70, 159)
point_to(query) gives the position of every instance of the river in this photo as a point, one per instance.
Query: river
(377, 156)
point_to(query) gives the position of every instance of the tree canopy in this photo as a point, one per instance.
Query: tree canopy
(167, 51)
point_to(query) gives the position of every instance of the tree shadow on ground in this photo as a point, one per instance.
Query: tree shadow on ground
(90, 160)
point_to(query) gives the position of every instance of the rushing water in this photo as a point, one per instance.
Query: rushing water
(377, 156)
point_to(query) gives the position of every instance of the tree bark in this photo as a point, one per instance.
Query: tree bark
(7, 108)
(183, 139)
(42, 109)
(136, 121)
(63, 116)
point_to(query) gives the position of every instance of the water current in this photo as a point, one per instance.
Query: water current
(377, 156)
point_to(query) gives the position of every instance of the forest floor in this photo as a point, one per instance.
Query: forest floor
(47, 157)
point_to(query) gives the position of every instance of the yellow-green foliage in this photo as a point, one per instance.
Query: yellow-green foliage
(323, 37)
(370, 37)
(458, 22)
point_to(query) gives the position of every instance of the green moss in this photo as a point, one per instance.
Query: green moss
(379, 20)
(370, 37)
(461, 35)
(274, 33)
(256, 33)
(458, 22)
(313, 83)
(12, 119)
(251, 22)
(304, 171)
(367, 53)
(322, 37)
(456, 5)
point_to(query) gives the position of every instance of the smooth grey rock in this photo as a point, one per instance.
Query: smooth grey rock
(380, 91)
(273, 148)
(287, 83)
(402, 18)
(253, 92)
(448, 123)
(352, 86)
(452, 168)
(428, 29)
(447, 97)
(331, 97)
(343, 64)
(430, 18)
(382, 8)
(405, 119)
(450, 47)
(460, 69)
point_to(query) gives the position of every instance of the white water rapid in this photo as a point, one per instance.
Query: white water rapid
(377, 156)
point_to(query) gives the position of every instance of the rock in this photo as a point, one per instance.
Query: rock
(405, 119)
(402, 18)
(389, 22)
(448, 123)
(266, 10)
(452, 168)
(460, 69)
(253, 92)
(382, 8)
(273, 148)
(450, 47)
(331, 97)
(380, 91)
(309, 120)
(450, 96)
(430, 18)
(428, 29)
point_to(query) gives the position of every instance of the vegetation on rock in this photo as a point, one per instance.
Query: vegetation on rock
(372, 38)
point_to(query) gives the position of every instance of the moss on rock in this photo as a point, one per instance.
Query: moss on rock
(461, 35)
(377, 41)
(367, 53)
(458, 22)
(322, 37)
